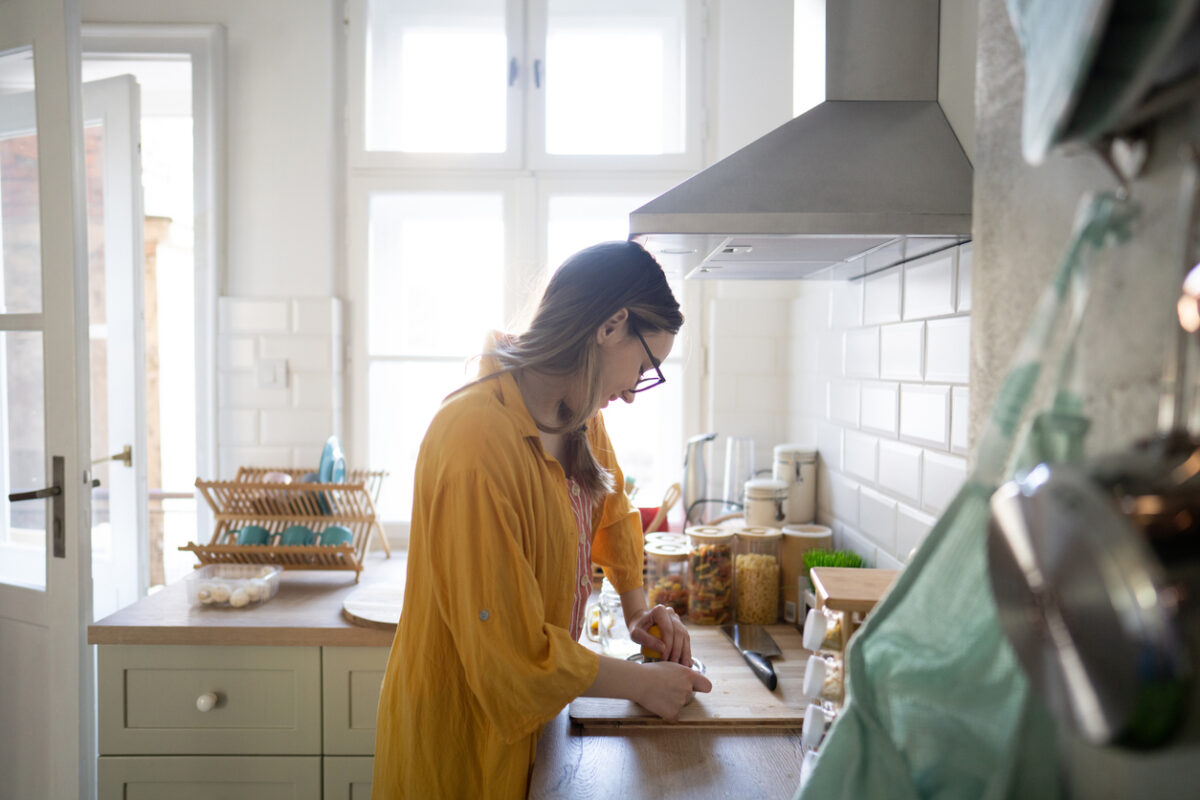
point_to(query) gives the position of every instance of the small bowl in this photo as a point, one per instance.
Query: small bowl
(297, 535)
(253, 535)
(335, 535)
(697, 664)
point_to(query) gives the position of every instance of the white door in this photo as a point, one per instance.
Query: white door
(47, 741)
(117, 334)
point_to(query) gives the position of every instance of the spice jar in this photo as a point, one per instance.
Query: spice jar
(710, 593)
(764, 502)
(818, 717)
(826, 630)
(756, 575)
(824, 678)
(796, 466)
(666, 575)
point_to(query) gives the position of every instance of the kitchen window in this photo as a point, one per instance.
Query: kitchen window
(465, 188)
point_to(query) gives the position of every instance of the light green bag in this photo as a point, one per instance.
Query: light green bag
(936, 704)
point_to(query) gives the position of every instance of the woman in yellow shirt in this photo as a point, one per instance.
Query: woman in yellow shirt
(516, 495)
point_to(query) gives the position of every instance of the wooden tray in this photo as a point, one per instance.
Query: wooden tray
(738, 698)
(851, 589)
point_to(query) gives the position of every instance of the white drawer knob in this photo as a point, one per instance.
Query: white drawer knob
(205, 702)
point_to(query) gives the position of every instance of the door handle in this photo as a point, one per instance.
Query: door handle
(125, 457)
(57, 505)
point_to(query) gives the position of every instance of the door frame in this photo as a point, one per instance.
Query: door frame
(205, 44)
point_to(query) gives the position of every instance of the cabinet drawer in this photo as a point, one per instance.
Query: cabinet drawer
(207, 777)
(268, 700)
(348, 777)
(352, 677)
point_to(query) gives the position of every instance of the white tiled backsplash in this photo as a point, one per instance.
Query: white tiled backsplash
(878, 382)
(279, 380)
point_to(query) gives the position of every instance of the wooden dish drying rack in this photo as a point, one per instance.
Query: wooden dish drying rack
(249, 499)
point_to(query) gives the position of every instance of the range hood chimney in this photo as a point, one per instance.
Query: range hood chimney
(871, 177)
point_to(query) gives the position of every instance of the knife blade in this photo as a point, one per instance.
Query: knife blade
(757, 647)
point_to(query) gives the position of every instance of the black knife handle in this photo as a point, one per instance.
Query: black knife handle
(761, 665)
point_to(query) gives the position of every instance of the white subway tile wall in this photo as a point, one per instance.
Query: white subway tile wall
(894, 351)
(279, 381)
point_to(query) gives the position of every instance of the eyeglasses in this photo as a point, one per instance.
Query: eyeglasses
(649, 381)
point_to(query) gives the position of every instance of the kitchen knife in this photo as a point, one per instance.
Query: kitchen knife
(757, 647)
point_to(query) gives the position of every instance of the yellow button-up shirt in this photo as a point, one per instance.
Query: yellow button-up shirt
(483, 657)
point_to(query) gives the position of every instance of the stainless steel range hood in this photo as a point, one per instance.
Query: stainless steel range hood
(871, 177)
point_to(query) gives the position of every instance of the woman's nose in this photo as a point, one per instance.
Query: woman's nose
(627, 395)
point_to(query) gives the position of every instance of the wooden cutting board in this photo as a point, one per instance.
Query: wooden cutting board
(738, 698)
(376, 605)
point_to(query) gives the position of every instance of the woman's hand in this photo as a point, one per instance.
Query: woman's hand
(666, 688)
(673, 641)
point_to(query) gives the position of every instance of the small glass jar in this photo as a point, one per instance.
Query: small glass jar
(818, 718)
(765, 500)
(825, 630)
(667, 575)
(710, 591)
(604, 623)
(824, 678)
(756, 575)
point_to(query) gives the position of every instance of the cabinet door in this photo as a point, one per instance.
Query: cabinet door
(351, 678)
(207, 777)
(264, 700)
(348, 777)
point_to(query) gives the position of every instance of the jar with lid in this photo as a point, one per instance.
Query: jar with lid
(825, 629)
(818, 718)
(824, 678)
(756, 575)
(667, 575)
(710, 558)
(796, 466)
(765, 499)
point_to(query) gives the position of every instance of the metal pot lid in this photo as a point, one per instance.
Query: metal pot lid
(1087, 608)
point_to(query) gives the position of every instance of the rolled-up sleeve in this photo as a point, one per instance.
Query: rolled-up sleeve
(521, 669)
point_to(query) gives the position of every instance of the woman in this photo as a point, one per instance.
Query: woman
(517, 493)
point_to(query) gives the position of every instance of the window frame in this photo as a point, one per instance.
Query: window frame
(526, 25)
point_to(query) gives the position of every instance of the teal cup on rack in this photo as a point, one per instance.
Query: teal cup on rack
(253, 535)
(335, 535)
(297, 535)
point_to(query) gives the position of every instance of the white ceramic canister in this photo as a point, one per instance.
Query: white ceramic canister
(765, 499)
(796, 466)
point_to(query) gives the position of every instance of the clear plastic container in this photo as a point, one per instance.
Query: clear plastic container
(818, 717)
(825, 630)
(667, 575)
(824, 678)
(232, 585)
(710, 590)
(756, 575)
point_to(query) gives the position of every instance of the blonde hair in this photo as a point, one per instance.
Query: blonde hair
(588, 289)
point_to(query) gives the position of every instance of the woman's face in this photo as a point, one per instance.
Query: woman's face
(624, 360)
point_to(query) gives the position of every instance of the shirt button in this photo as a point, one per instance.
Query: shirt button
(483, 615)
(575, 490)
(583, 581)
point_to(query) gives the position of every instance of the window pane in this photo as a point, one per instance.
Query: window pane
(403, 397)
(647, 435)
(615, 77)
(23, 430)
(436, 76)
(435, 271)
(20, 227)
(577, 221)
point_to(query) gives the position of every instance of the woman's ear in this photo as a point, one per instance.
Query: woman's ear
(612, 325)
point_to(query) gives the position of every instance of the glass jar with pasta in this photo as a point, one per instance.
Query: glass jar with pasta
(710, 594)
(667, 575)
(756, 575)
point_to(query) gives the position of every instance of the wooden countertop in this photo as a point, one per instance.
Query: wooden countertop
(306, 612)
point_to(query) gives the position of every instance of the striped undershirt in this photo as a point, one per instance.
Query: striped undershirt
(582, 507)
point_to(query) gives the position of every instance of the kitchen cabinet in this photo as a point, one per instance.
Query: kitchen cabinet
(309, 707)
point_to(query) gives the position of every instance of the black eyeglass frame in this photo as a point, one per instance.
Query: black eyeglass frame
(648, 382)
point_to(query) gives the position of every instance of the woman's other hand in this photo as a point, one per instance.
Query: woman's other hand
(665, 688)
(672, 641)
